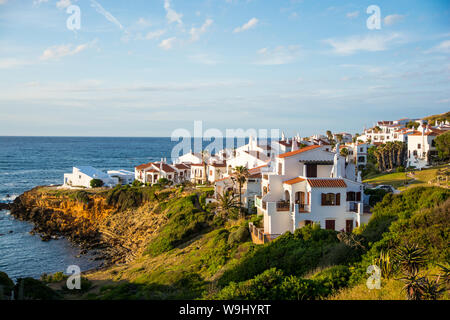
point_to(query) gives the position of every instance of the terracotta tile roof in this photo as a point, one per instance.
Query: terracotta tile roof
(257, 168)
(284, 143)
(197, 165)
(327, 183)
(219, 165)
(292, 153)
(223, 179)
(144, 166)
(181, 166)
(152, 171)
(255, 176)
(294, 181)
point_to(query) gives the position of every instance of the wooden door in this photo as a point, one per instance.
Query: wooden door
(349, 225)
(330, 224)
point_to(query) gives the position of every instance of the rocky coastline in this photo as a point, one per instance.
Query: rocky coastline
(51, 222)
(85, 218)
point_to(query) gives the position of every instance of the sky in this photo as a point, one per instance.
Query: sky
(149, 67)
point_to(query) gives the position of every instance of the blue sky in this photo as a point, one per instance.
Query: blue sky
(148, 67)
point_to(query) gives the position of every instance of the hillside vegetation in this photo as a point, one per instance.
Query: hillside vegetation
(195, 254)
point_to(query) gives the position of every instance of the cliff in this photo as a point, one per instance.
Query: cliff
(91, 219)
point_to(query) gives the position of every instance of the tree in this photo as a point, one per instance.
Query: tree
(344, 152)
(443, 145)
(227, 203)
(240, 175)
(96, 183)
(205, 169)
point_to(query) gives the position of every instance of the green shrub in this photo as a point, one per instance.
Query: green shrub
(185, 221)
(96, 183)
(294, 254)
(333, 278)
(272, 285)
(6, 285)
(32, 289)
(240, 235)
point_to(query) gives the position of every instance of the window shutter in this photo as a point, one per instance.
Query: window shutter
(307, 200)
(348, 196)
(358, 196)
(338, 199)
(323, 199)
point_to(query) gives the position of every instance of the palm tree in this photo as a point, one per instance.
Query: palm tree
(227, 202)
(240, 175)
(204, 154)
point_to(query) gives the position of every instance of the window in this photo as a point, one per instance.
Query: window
(280, 168)
(331, 199)
(311, 170)
(361, 149)
(351, 196)
(418, 146)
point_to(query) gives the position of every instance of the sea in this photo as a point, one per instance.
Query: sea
(27, 162)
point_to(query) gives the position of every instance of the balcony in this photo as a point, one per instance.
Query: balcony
(301, 208)
(259, 203)
(259, 236)
(353, 206)
(283, 206)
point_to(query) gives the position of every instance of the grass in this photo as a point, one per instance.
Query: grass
(397, 179)
(391, 289)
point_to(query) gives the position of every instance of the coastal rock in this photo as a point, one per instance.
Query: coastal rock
(89, 221)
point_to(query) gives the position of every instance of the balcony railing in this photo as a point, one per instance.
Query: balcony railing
(283, 206)
(259, 236)
(301, 208)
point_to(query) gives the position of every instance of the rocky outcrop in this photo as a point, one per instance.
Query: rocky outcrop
(86, 219)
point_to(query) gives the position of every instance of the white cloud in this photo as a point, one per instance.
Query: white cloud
(443, 47)
(393, 18)
(105, 13)
(249, 25)
(172, 15)
(10, 63)
(279, 55)
(61, 4)
(167, 44)
(35, 2)
(154, 34)
(196, 32)
(56, 52)
(369, 43)
(353, 14)
(203, 59)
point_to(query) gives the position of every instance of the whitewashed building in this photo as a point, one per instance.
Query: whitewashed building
(153, 171)
(124, 177)
(310, 185)
(422, 147)
(82, 176)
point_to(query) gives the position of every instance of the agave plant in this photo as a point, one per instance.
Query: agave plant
(410, 258)
(385, 264)
(432, 289)
(414, 286)
(446, 274)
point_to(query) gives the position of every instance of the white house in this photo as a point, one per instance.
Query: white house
(250, 189)
(421, 146)
(191, 157)
(310, 185)
(82, 176)
(153, 171)
(124, 177)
